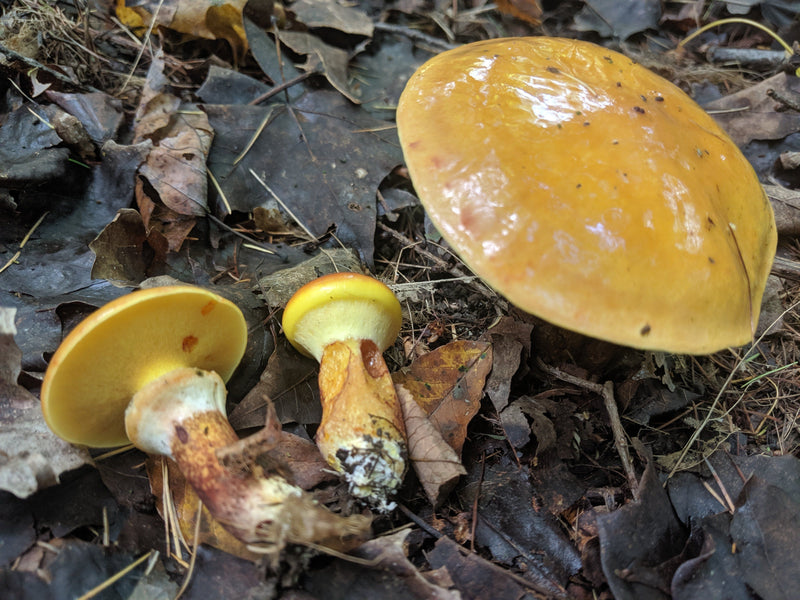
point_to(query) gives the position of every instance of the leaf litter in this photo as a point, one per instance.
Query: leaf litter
(227, 171)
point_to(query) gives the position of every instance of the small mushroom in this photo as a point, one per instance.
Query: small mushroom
(590, 192)
(346, 321)
(150, 367)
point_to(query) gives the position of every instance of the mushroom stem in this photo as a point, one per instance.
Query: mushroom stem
(362, 432)
(181, 415)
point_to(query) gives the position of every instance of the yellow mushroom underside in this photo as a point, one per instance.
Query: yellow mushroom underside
(128, 343)
(590, 191)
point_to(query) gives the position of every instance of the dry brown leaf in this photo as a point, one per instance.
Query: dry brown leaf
(208, 19)
(509, 337)
(31, 456)
(448, 384)
(435, 462)
(527, 10)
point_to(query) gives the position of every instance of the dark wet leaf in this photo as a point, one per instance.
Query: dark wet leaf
(391, 577)
(224, 86)
(333, 15)
(477, 578)
(509, 338)
(290, 382)
(31, 456)
(642, 543)
(79, 501)
(100, 114)
(330, 61)
(331, 180)
(17, 532)
(221, 576)
(28, 149)
(618, 18)
(120, 249)
(514, 531)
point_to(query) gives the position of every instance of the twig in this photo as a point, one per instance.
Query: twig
(24, 241)
(606, 391)
(283, 86)
(116, 577)
(419, 522)
(45, 69)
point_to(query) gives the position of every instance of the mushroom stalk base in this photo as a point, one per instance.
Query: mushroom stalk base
(362, 434)
(180, 415)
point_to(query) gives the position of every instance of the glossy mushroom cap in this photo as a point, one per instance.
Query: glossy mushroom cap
(590, 192)
(341, 306)
(127, 344)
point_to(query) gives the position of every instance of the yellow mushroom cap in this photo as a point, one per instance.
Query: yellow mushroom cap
(338, 307)
(128, 343)
(590, 191)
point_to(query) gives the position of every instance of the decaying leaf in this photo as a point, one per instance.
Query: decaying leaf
(31, 456)
(527, 10)
(435, 462)
(509, 338)
(334, 15)
(173, 188)
(448, 384)
(323, 58)
(118, 249)
(751, 114)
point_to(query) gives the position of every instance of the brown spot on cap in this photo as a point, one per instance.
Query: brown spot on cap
(188, 343)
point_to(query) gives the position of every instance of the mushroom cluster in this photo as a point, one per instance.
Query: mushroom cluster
(150, 367)
(590, 192)
(346, 321)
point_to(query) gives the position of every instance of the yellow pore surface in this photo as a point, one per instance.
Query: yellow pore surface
(338, 307)
(590, 191)
(129, 342)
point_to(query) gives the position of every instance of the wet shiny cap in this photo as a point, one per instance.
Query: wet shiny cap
(338, 307)
(129, 342)
(590, 192)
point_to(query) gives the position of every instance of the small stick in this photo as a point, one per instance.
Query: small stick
(606, 391)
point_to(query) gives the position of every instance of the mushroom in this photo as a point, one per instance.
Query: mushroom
(346, 321)
(150, 367)
(590, 192)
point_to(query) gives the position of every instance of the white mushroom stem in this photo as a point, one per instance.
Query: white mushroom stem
(181, 415)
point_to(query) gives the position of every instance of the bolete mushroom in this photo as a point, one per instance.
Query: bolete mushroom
(590, 192)
(151, 367)
(346, 321)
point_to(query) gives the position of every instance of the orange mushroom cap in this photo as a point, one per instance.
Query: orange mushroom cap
(590, 192)
(128, 343)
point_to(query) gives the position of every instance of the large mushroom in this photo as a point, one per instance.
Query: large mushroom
(590, 192)
(150, 367)
(346, 321)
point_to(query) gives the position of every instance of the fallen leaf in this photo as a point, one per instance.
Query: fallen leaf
(618, 18)
(326, 170)
(334, 15)
(435, 462)
(448, 384)
(751, 114)
(509, 338)
(328, 60)
(389, 575)
(119, 249)
(31, 456)
(526, 10)
(208, 19)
